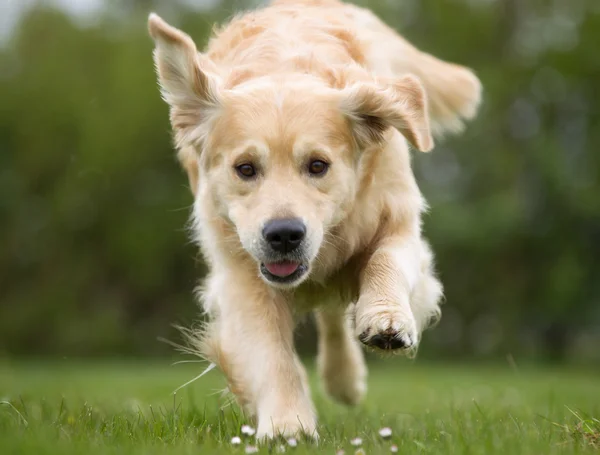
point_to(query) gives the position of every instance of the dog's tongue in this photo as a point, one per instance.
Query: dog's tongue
(282, 269)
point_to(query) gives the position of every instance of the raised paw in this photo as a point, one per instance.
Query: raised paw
(386, 328)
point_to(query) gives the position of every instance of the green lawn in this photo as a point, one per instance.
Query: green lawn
(69, 407)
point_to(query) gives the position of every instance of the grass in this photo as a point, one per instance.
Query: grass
(70, 407)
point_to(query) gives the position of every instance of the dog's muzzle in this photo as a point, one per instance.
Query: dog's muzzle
(283, 239)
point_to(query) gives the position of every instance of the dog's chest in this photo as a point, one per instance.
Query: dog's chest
(339, 288)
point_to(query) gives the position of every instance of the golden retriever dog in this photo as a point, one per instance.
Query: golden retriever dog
(294, 128)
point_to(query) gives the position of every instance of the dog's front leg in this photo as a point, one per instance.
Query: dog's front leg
(253, 333)
(384, 317)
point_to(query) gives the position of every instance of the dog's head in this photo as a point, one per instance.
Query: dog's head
(278, 157)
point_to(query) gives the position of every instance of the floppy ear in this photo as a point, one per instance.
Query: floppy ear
(186, 81)
(374, 108)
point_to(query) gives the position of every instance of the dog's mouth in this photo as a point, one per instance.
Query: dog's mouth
(282, 269)
(283, 272)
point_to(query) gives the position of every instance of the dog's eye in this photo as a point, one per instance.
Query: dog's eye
(246, 171)
(317, 167)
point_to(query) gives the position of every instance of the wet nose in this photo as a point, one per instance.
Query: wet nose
(284, 235)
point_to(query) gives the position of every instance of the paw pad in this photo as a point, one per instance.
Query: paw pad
(388, 340)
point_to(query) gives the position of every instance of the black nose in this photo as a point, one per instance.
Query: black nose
(284, 235)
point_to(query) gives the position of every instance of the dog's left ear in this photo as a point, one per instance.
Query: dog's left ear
(401, 104)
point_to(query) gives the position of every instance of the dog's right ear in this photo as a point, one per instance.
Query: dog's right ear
(187, 83)
(401, 104)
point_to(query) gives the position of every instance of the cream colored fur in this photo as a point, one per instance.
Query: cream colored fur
(297, 81)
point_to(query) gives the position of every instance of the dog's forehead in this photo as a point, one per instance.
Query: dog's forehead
(282, 116)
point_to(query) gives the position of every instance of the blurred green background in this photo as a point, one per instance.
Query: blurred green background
(94, 256)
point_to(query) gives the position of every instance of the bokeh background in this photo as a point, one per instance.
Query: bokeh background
(94, 257)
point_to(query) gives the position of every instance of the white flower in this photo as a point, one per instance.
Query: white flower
(248, 430)
(394, 448)
(340, 452)
(292, 442)
(251, 449)
(356, 442)
(280, 448)
(360, 452)
(385, 432)
(236, 440)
